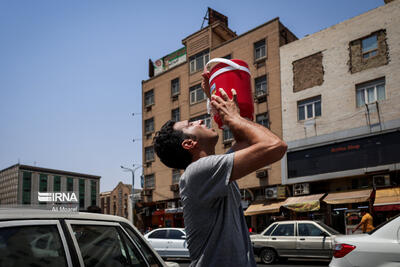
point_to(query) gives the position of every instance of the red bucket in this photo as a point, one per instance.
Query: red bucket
(232, 74)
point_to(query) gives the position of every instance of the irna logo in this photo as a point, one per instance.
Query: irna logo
(57, 197)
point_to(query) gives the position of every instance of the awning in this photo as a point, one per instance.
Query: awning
(387, 199)
(356, 196)
(263, 207)
(304, 203)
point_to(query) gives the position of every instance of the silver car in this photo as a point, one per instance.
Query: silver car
(294, 239)
(30, 237)
(169, 242)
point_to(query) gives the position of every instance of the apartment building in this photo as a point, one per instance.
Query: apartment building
(173, 91)
(20, 184)
(341, 115)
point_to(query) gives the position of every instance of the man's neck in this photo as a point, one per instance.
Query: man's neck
(202, 154)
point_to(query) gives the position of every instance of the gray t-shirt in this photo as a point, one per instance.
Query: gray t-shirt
(216, 230)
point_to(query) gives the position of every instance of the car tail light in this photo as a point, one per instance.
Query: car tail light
(342, 250)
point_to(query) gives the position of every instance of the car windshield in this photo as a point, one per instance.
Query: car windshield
(328, 229)
(382, 224)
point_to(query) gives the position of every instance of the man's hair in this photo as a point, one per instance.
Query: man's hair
(168, 146)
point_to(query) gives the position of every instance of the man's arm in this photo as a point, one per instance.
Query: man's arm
(263, 147)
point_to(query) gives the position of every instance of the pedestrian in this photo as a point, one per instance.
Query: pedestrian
(367, 222)
(216, 230)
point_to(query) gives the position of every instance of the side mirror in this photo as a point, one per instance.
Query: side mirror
(183, 237)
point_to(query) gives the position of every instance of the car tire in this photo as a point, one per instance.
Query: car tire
(268, 255)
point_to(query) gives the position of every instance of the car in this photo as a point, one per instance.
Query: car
(169, 242)
(32, 237)
(294, 239)
(380, 247)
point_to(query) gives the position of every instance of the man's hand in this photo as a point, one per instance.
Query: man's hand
(227, 109)
(205, 83)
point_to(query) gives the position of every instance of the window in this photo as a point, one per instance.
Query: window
(26, 187)
(149, 153)
(81, 193)
(149, 126)
(36, 245)
(175, 115)
(176, 175)
(196, 94)
(149, 181)
(370, 92)
(259, 50)
(205, 117)
(263, 119)
(160, 234)
(308, 229)
(369, 46)
(269, 231)
(284, 230)
(309, 108)
(43, 183)
(93, 192)
(198, 61)
(149, 98)
(261, 86)
(106, 246)
(176, 234)
(227, 135)
(175, 87)
(57, 183)
(70, 184)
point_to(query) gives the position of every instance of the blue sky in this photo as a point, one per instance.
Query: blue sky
(71, 71)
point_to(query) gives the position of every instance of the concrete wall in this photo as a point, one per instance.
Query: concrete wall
(338, 90)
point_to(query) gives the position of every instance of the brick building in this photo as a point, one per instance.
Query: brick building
(341, 115)
(173, 92)
(20, 184)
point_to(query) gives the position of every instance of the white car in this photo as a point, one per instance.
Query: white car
(30, 237)
(169, 242)
(378, 248)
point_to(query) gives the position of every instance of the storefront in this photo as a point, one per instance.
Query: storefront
(387, 204)
(343, 208)
(263, 213)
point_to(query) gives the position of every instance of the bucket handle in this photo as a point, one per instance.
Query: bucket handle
(232, 66)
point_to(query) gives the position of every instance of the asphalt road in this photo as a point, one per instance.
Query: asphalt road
(288, 263)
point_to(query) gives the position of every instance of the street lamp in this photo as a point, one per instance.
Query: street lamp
(133, 185)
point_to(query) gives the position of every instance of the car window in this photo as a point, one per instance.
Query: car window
(284, 230)
(175, 234)
(308, 229)
(159, 234)
(270, 229)
(151, 258)
(31, 246)
(134, 254)
(102, 246)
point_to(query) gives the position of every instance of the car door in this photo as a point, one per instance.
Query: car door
(101, 243)
(283, 239)
(313, 241)
(177, 246)
(33, 243)
(158, 240)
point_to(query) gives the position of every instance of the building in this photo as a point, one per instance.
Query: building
(341, 115)
(173, 91)
(20, 184)
(119, 202)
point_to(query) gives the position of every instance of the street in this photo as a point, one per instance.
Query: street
(288, 263)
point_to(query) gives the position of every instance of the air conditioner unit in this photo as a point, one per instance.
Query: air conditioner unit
(301, 189)
(271, 193)
(381, 180)
(262, 174)
(174, 187)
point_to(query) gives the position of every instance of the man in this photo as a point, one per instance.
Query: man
(366, 222)
(216, 230)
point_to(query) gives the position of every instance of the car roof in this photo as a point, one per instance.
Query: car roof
(169, 228)
(25, 214)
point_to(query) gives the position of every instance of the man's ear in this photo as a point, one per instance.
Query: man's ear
(189, 144)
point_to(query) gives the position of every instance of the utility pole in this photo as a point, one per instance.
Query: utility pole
(133, 186)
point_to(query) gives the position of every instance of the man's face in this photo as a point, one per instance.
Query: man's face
(198, 129)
